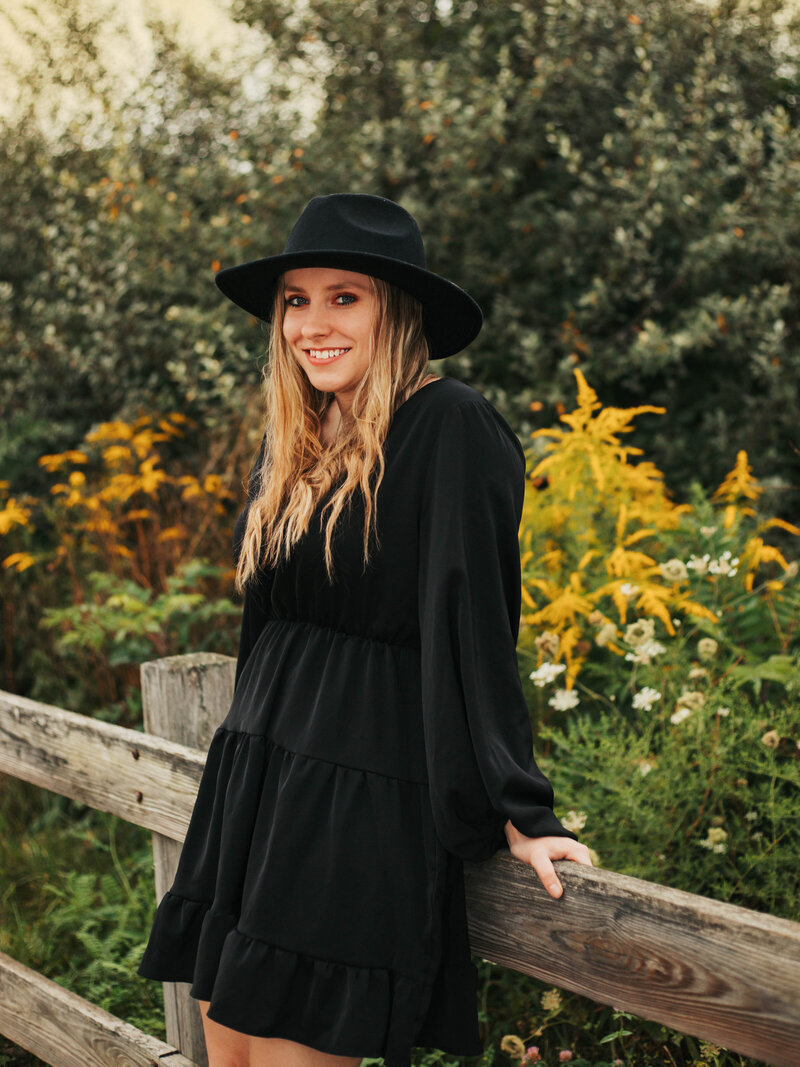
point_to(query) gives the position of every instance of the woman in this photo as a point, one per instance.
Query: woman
(378, 734)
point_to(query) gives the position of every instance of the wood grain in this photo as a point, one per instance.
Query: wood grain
(62, 1028)
(183, 703)
(720, 972)
(142, 779)
(714, 970)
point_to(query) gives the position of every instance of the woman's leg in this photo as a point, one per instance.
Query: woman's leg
(277, 1052)
(230, 1048)
(225, 1047)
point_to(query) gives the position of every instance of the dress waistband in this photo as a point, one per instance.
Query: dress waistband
(280, 619)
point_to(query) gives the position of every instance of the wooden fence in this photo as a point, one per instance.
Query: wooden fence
(717, 971)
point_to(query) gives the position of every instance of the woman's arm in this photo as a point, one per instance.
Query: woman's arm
(486, 789)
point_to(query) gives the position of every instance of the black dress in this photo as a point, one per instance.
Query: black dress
(378, 736)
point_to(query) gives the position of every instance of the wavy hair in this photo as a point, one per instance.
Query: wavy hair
(298, 469)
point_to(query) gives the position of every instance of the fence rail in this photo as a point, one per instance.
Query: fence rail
(62, 1028)
(714, 970)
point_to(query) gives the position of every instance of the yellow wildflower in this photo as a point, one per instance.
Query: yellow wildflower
(13, 514)
(739, 482)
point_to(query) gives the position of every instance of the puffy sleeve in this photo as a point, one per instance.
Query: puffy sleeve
(256, 607)
(479, 743)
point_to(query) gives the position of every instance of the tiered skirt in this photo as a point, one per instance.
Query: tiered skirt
(313, 900)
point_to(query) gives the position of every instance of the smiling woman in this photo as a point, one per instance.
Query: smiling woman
(378, 734)
(329, 322)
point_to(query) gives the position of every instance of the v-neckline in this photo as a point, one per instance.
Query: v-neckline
(421, 389)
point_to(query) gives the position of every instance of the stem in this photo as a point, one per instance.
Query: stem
(714, 769)
(598, 696)
(776, 623)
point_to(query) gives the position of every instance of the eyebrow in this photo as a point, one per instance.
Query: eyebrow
(329, 289)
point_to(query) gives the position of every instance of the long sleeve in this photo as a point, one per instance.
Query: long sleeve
(255, 609)
(479, 744)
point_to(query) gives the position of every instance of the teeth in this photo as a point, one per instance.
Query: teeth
(326, 353)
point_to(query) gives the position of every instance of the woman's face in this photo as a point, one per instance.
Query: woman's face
(328, 323)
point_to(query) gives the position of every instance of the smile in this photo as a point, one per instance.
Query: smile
(325, 355)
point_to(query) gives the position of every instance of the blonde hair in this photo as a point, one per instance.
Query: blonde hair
(298, 469)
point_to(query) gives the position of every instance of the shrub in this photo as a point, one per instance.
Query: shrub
(635, 599)
(123, 545)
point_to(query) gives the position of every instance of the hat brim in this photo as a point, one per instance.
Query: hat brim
(452, 319)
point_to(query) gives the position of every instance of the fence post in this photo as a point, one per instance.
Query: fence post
(184, 699)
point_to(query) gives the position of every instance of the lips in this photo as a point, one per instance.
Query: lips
(320, 356)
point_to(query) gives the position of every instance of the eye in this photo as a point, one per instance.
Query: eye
(346, 298)
(290, 301)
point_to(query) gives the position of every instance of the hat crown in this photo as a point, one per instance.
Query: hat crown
(359, 223)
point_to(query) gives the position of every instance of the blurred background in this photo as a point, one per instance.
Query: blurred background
(618, 185)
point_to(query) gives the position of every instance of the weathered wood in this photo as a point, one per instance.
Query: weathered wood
(182, 1019)
(184, 698)
(62, 1028)
(720, 972)
(143, 779)
(714, 970)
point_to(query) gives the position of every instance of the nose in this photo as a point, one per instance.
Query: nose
(315, 322)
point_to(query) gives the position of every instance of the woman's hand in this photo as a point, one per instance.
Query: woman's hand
(540, 851)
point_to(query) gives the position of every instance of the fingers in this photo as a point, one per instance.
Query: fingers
(541, 851)
(579, 853)
(540, 862)
(564, 848)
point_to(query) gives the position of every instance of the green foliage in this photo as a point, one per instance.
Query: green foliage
(708, 804)
(612, 567)
(110, 229)
(100, 642)
(617, 188)
(131, 624)
(785, 670)
(76, 895)
(122, 543)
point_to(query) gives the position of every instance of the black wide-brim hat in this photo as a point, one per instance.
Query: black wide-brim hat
(370, 235)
